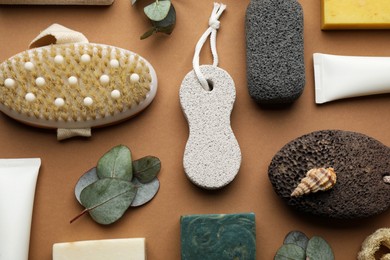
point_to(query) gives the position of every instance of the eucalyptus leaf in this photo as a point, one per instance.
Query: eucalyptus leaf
(106, 200)
(133, 2)
(85, 180)
(297, 238)
(158, 10)
(145, 192)
(148, 33)
(167, 30)
(146, 168)
(168, 23)
(290, 252)
(116, 163)
(319, 249)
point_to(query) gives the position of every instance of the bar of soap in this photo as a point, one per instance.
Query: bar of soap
(355, 14)
(113, 249)
(218, 236)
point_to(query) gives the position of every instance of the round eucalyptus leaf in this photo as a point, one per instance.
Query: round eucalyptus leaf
(297, 238)
(319, 249)
(106, 200)
(168, 23)
(116, 163)
(146, 168)
(290, 252)
(145, 192)
(133, 2)
(167, 30)
(158, 10)
(85, 180)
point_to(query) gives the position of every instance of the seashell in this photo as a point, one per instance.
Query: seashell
(317, 179)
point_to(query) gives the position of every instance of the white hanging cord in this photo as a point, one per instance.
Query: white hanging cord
(212, 31)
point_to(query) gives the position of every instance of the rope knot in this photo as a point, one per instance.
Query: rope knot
(214, 23)
(212, 31)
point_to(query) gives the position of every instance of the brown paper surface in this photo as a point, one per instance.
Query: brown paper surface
(162, 130)
(56, 2)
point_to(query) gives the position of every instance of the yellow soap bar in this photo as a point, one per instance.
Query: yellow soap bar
(355, 14)
(108, 249)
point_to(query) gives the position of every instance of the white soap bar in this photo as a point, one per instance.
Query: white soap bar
(113, 249)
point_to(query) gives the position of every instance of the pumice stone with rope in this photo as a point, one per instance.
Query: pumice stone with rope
(71, 85)
(212, 156)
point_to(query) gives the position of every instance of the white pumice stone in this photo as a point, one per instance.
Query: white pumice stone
(9, 83)
(134, 77)
(59, 102)
(88, 101)
(30, 97)
(115, 94)
(72, 80)
(212, 156)
(85, 58)
(114, 63)
(28, 66)
(58, 59)
(104, 79)
(40, 81)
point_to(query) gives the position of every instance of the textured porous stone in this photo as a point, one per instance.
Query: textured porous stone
(275, 57)
(218, 236)
(359, 161)
(212, 156)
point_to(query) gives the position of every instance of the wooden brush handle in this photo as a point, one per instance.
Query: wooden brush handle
(57, 2)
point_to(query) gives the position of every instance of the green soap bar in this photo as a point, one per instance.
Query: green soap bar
(218, 236)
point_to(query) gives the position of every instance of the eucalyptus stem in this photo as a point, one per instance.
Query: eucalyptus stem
(78, 216)
(162, 16)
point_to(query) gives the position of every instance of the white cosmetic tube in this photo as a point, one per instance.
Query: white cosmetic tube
(18, 179)
(338, 77)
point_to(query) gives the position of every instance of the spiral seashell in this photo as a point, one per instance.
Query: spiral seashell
(316, 179)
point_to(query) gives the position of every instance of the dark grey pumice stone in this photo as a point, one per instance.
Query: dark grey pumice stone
(275, 54)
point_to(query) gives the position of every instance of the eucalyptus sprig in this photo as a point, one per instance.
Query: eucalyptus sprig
(117, 183)
(162, 16)
(298, 246)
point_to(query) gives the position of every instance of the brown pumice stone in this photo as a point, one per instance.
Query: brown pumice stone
(359, 161)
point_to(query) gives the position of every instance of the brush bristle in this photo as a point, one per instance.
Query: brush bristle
(73, 82)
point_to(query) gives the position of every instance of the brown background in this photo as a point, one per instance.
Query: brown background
(162, 130)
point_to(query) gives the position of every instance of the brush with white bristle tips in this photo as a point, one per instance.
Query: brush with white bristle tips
(76, 85)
